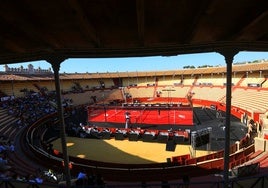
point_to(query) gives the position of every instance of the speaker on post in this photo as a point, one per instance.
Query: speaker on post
(170, 145)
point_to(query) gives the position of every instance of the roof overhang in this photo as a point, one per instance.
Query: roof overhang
(41, 30)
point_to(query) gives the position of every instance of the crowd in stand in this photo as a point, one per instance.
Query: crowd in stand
(5, 167)
(26, 110)
(30, 108)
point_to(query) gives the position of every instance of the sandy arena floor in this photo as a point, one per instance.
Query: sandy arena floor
(118, 151)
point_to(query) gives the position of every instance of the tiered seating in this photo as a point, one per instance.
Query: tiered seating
(7, 88)
(180, 92)
(8, 126)
(50, 85)
(111, 95)
(208, 93)
(237, 78)
(260, 158)
(105, 96)
(95, 84)
(255, 154)
(250, 99)
(16, 87)
(218, 81)
(263, 160)
(130, 81)
(166, 81)
(180, 159)
(66, 85)
(140, 92)
(142, 81)
(205, 80)
(2, 94)
(265, 84)
(252, 78)
(169, 91)
(108, 83)
(8, 132)
(22, 85)
(188, 80)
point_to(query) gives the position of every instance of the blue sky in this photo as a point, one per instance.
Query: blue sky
(143, 63)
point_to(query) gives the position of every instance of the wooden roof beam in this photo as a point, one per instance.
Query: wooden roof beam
(140, 20)
(84, 23)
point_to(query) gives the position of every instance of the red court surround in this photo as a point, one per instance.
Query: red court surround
(142, 115)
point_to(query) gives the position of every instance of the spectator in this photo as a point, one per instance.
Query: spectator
(99, 181)
(3, 161)
(91, 180)
(11, 147)
(2, 148)
(82, 178)
(165, 184)
(82, 175)
(186, 180)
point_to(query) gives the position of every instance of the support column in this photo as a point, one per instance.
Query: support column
(55, 62)
(229, 55)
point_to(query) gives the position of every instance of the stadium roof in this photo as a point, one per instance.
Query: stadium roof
(37, 30)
